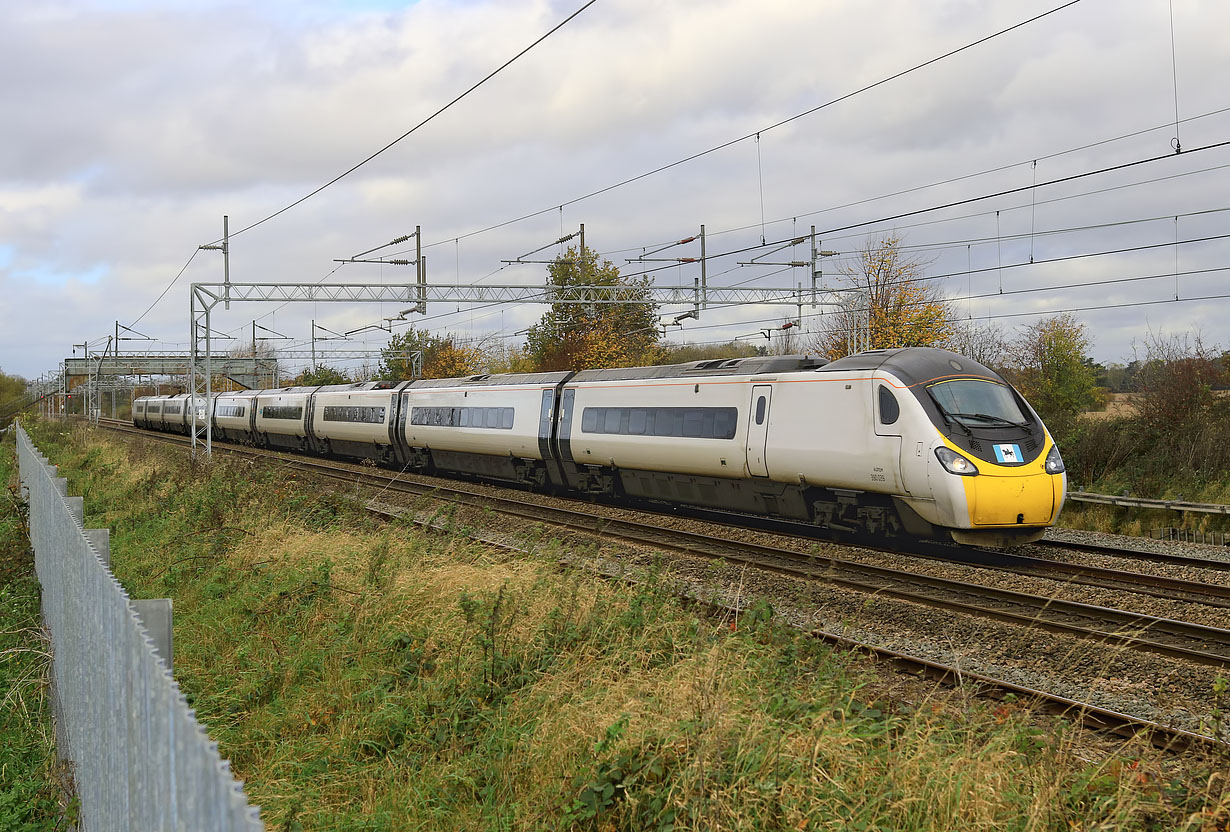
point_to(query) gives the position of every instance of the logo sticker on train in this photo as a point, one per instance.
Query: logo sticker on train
(1008, 453)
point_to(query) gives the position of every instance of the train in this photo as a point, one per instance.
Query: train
(918, 442)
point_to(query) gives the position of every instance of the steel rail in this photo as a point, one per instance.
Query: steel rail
(1136, 554)
(1158, 586)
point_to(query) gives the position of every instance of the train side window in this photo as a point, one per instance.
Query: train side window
(589, 419)
(724, 424)
(707, 429)
(890, 408)
(506, 418)
(664, 422)
(762, 404)
(636, 421)
(611, 424)
(466, 412)
(693, 423)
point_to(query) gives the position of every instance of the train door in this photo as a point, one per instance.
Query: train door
(758, 430)
(884, 460)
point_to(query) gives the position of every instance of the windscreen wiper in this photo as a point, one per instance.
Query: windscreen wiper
(987, 417)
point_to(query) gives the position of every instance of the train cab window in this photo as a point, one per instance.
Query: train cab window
(762, 404)
(890, 408)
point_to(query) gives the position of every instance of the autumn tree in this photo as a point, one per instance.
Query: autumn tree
(1048, 363)
(504, 358)
(443, 356)
(884, 303)
(576, 336)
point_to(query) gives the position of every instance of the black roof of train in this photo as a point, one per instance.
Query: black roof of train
(915, 365)
(754, 365)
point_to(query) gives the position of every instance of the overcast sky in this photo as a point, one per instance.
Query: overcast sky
(131, 127)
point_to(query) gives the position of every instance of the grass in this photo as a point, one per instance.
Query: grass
(28, 792)
(370, 677)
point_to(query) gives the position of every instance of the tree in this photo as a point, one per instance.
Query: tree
(884, 304)
(1175, 382)
(684, 353)
(986, 344)
(321, 375)
(266, 355)
(1047, 363)
(502, 358)
(576, 336)
(12, 394)
(452, 359)
(442, 356)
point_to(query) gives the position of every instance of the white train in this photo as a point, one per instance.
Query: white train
(919, 441)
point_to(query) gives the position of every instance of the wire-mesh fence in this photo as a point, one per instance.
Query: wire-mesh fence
(139, 758)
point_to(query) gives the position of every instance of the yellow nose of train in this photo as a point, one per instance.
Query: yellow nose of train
(1018, 500)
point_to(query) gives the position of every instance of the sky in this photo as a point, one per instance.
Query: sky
(132, 127)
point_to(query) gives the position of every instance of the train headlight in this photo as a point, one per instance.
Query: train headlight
(954, 463)
(1054, 462)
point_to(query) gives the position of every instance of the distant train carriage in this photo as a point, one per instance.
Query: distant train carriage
(484, 425)
(355, 420)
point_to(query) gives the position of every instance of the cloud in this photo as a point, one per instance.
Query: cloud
(132, 127)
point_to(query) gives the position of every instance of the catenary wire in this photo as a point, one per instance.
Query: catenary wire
(754, 133)
(955, 179)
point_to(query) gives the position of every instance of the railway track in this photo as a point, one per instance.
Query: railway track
(1157, 586)
(1102, 720)
(1175, 639)
(1136, 554)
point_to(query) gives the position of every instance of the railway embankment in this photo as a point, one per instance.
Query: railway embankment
(362, 674)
